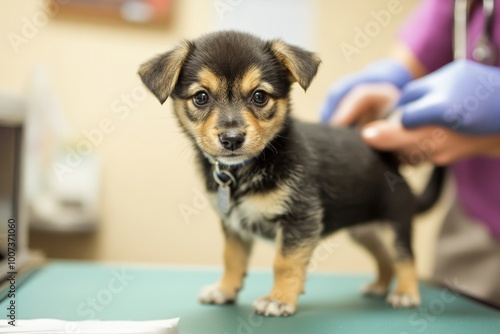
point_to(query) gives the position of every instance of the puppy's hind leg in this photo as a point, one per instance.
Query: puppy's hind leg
(406, 293)
(236, 255)
(369, 237)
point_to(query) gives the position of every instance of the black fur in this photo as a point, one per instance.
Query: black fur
(331, 170)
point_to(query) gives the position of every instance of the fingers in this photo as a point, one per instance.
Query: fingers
(387, 136)
(427, 110)
(421, 106)
(335, 95)
(438, 145)
(365, 103)
(414, 90)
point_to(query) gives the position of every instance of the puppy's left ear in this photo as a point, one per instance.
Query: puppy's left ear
(301, 63)
(160, 74)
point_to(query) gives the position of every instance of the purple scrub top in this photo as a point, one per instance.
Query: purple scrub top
(428, 33)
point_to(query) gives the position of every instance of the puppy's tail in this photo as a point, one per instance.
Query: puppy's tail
(432, 191)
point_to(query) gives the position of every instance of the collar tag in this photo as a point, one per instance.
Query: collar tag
(224, 179)
(224, 198)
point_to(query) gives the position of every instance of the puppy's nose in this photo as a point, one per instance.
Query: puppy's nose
(232, 140)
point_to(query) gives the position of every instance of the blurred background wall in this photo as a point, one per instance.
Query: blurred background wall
(151, 209)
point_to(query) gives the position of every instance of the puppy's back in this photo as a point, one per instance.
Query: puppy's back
(351, 175)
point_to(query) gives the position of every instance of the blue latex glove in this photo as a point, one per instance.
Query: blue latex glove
(463, 96)
(384, 71)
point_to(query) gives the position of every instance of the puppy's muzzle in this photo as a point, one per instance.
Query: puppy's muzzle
(232, 139)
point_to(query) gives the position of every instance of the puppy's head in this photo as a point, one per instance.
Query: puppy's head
(230, 90)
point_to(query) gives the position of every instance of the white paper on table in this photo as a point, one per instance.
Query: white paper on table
(168, 326)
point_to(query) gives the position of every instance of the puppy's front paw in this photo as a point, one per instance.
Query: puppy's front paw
(215, 294)
(403, 300)
(273, 307)
(375, 289)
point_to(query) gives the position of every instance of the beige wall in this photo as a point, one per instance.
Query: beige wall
(148, 170)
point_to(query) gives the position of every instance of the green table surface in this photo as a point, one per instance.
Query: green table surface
(331, 304)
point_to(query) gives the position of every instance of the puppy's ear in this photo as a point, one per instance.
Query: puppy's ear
(301, 63)
(160, 74)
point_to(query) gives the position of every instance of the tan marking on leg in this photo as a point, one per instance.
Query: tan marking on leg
(406, 274)
(236, 256)
(290, 271)
(406, 293)
(368, 236)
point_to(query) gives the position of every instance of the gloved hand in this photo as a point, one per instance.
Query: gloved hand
(382, 71)
(463, 96)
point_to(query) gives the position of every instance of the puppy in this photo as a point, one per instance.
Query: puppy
(274, 177)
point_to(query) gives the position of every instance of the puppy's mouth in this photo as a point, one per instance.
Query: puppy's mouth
(232, 158)
(231, 155)
(229, 150)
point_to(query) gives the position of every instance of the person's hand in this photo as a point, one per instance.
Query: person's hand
(387, 71)
(439, 145)
(365, 103)
(463, 96)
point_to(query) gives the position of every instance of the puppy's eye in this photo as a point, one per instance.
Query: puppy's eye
(200, 98)
(260, 98)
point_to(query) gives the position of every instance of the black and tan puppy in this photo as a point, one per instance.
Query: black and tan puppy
(274, 177)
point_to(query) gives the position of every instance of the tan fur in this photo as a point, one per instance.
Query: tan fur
(163, 83)
(379, 241)
(181, 116)
(290, 271)
(257, 208)
(236, 254)
(250, 80)
(289, 59)
(269, 204)
(207, 134)
(195, 87)
(407, 280)
(260, 132)
(210, 81)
